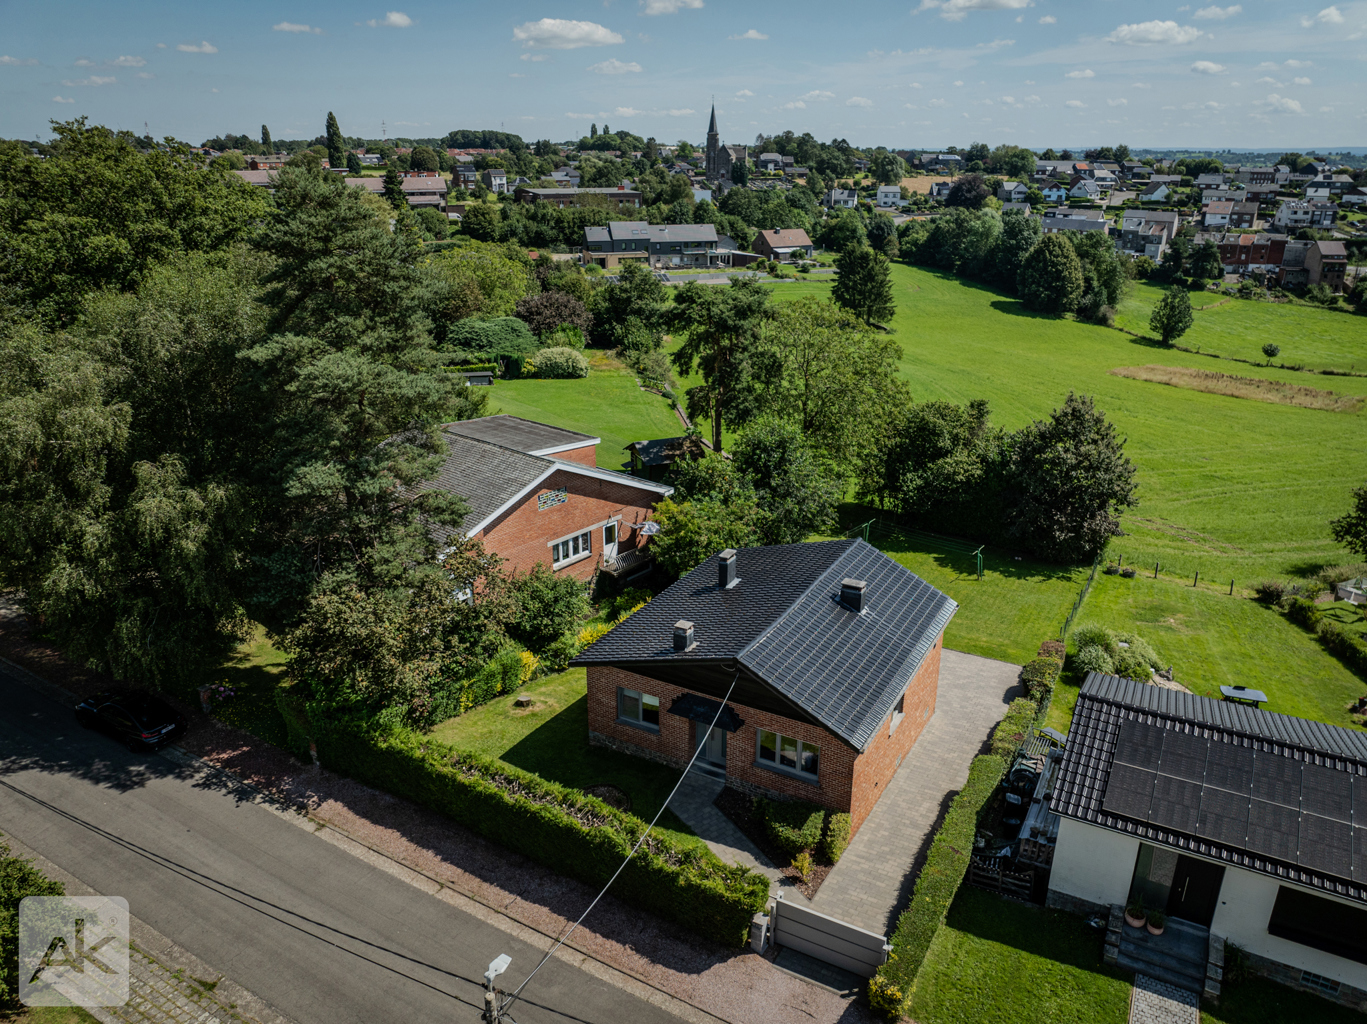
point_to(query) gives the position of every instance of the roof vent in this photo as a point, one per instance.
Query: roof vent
(726, 569)
(852, 594)
(683, 636)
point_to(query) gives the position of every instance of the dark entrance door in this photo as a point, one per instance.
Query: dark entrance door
(1195, 890)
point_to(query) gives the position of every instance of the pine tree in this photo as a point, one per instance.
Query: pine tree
(393, 190)
(593, 131)
(353, 163)
(336, 145)
(863, 284)
(266, 143)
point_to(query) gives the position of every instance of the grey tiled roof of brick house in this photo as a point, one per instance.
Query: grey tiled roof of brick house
(523, 435)
(783, 625)
(1266, 792)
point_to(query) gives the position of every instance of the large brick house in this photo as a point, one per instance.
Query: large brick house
(827, 656)
(536, 494)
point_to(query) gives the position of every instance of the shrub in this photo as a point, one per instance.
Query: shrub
(1303, 612)
(1014, 728)
(793, 825)
(546, 312)
(803, 863)
(561, 828)
(1132, 666)
(557, 364)
(1331, 575)
(558, 653)
(549, 606)
(1039, 676)
(1141, 648)
(450, 696)
(1269, 591)
(1053, 649)
(936, 887)
(589, 634)
(1093, 658)
(837, 837)
(18, 879)
(1094, 635)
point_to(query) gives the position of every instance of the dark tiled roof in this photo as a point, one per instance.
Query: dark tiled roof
(519, 434)
(662, 451)
(782, 624)
(1266, 792)
(487, 476)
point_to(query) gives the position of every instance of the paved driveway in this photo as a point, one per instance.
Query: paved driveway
(872, 883)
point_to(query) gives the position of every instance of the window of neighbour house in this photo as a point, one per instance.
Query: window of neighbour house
(571, 549)
(637, 708)
(786, 754)
(899, 712)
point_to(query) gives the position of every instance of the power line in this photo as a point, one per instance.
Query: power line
(494, 1007)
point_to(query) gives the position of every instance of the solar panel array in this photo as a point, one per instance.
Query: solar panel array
(1263, 801)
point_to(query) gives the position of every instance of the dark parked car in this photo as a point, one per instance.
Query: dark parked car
(141, 721)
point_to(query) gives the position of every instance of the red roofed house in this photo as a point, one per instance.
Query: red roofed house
(783, 244)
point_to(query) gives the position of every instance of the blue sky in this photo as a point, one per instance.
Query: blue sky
(923, 73)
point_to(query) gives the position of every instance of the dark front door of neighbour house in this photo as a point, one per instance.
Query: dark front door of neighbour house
(1195, 890)
(711, 745)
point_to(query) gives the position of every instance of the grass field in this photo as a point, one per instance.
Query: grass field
(999, 962)
(551, 739)
(1315, 338)
(1212, 639)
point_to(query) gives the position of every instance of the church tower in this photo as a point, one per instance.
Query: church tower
(712, 166)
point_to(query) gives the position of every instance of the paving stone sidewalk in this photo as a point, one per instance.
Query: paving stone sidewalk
(158, 995)
(694, 804)
(873, 880)
(1155, 1002)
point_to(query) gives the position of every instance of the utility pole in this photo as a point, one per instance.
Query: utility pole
(493, 1005)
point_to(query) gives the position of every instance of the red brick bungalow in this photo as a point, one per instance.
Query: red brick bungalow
(830, 653)
(536, 495)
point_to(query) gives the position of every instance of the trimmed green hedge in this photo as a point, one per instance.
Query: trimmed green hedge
(837, 836)
(1014, 729)
(1343, 644)
(793, 825)
(18, 878)
(562, 828)
(890, 989)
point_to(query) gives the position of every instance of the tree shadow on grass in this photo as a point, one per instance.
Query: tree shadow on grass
(1015, 307)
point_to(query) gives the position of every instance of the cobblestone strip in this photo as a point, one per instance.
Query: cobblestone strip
(1155, 1002)
(158, 995)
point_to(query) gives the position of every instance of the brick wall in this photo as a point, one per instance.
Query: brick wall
(846, 780)
(585, 456)
(523, 535)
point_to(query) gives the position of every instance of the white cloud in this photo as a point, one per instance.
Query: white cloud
(996, 44)
(819, 94)
(669, 6)
(795, 105)
(21, 61)
(1141, 85)
(1075, 104)
(1213, 13)
(1089, 73)
(1212, 105)
(146, 74)
(559, 34)
(84, 62)
(1208, 67)
(1148, 32)
(615, 67)
(1328, 16)
(957, 10)
(62, 99)
(751, 34)
(1326, 110)
(534, 56)
(915, 85)
(1283, 104)
(745, 92)
(1267, 80)
(938, 103)
(1032, 99)
(1302, 81)
(858, 101)
(128, 62)
(1009, 99)
(1048, 19)
(517, 74)
(1121, 102)
(391, 19)
(92, 80)
(1298, 64)
(957, 84)
(682, 111)
(625, 112)
(289, 26)
(203, 47)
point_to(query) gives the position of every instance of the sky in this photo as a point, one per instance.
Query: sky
(917, 74)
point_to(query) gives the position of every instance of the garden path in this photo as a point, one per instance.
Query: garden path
(1154, 1002)
(694, 804)
(873, 881)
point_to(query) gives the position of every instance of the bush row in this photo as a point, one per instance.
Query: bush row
(795, 825)
(565, 830)
(1014, 728)
(1346, 646)
(18, 879)
(891, 988)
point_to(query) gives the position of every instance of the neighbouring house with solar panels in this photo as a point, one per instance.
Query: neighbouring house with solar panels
(536, 494)
(1238, 823)
(827, 657)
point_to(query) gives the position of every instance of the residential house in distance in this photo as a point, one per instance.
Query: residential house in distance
(1236, 822)
(273, 162)
(1215, 214)
(463, 173)
(1354, 197)
(495, 179)
(819, 662)
(1074, 220)
(566, 177)
(1155, 192)
(844, 198)
(1022, 207)
(660, 245)
(1256, 193)
(1013, 191)
(1243, 216)
(769, 162)
(536, 495)
(1134, 170)
(1205, 181)
(1327, 263)
(1295, 214)
(945, 163)
(620, 197)
(783, 244)
(889, 197)
(1055, 193)
(1085, 188)
(940, 189)
(1264, 175)
(1147, 232)
(261, 179)
(1247, 253)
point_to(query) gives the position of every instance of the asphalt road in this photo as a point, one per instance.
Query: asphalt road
(307, 927)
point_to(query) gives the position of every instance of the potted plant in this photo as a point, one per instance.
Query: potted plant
(1134, 913)
(1156, 922)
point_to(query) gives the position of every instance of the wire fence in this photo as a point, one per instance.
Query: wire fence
(1081, 597)
(1154, 565)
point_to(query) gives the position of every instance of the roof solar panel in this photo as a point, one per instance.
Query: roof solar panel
(1273, 830)
(1360, 854)
(1176, 804)
(1277, 779)
(1129, 791)
(1139, 745)
(1326, 845)
(1327, 792)
(1224, 816)
(1229, 767)
(1184, 756)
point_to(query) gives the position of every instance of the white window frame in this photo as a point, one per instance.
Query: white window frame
(573, 547)
(776, 765)
(643, 701)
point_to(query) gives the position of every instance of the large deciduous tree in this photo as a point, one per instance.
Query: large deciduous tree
(548, 311)
(863, 284)
(1171, 315)
(1350, 529)
(795, 489)
(969, 191)
(1050, 279)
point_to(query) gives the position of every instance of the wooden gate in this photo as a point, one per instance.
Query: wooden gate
(855, 949)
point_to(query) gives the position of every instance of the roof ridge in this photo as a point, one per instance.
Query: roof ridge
(501, 447)
(853, 541)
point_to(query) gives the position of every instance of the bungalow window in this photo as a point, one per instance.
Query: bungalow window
(786, 754)
(639, 709)
(572, 549)
(899, 712)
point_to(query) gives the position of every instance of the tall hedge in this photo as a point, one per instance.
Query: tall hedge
(18, 878)
(564, 829)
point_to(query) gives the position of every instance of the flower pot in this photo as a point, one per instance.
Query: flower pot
(1152, 930)
(1134, 922)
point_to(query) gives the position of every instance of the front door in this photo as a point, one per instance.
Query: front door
(712, 746)
(610, 541)
(1195, 890)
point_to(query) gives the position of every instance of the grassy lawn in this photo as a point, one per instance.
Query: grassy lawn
(999, 962)
(607, 404)
(49, 1015)
(1315, 338)
(551, 739)
(1212, 639)
(1259, 1001)
(253, 673)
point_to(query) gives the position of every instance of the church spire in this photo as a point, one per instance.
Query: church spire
(712, 125)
